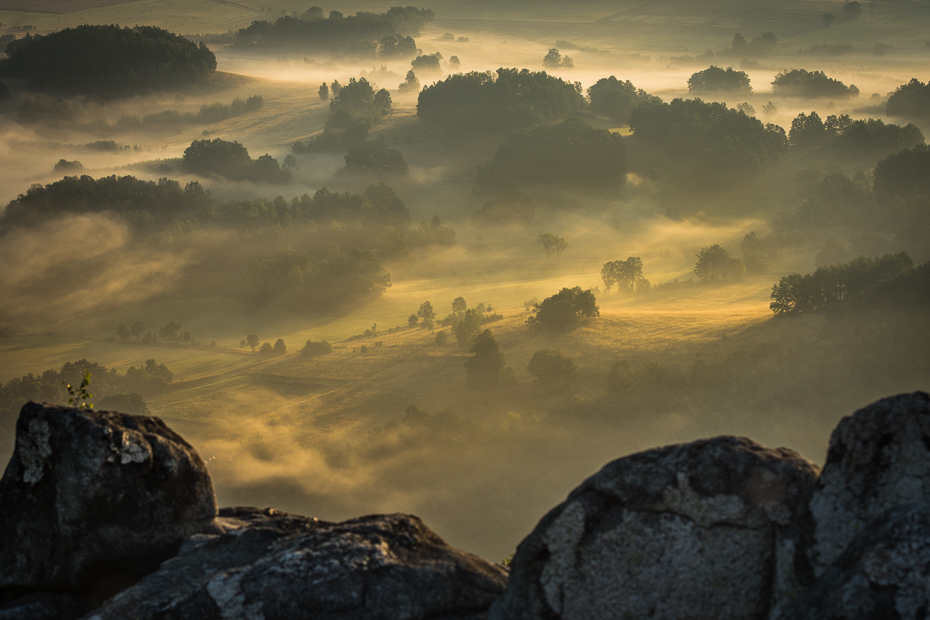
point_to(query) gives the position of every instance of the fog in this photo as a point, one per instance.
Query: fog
(231, 251)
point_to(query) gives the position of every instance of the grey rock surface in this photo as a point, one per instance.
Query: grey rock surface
(878, 458)
(883, 573)
(270, 565)
(709, 529)
(93, 500)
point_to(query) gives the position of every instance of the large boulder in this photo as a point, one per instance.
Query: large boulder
(878, 458)
(93, 500)
(882, 573)
(708, 529)
(271, 565)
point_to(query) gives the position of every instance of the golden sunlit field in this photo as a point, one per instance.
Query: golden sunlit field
(326, 435)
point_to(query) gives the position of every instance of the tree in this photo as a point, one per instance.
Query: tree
(753, 253)
(324, 91)
(553, 59)
(804, 83)
(552, 243)
(626, 274)
(552, 369)
(427, 64)
(563, 310)
(279, 347)
(137, 329)
(828, 19)
(410, 84)
(267, 349)
(186, 338)
(442, 338)
(714, 263)
(807, 130)
(485, 368)
(426, 313)
(616, 99)
(715, 79)
(336, 87)
(170, 332)
(459, 304)
(314, 349)
(412, 320)
(373, 156)
(911, 99)
(122, 332)
(468, 326)
(252, 341)
(852, 10)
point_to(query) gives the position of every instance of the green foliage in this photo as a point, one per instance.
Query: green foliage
(231, 160)
(717, 80)
(316, 349)
(427, 64)
(375, 156)
(553, 370)
(706, 143)
(552, 243)
(266, 349)
(111, 61)
(467, 326)
(252, 340)
(570, 152)
(906, 173)
(485, 368)
(411, 83)
(163, 200)
(323, 92)
(354, 110)
(510, 99)
(715, 263)
(79, 397)
(299, 280)
(856, 281)
(863, 137)
(627, 275)
(811, 84)
(554, 60)
(911, 99)
(564, 310)
(616, 99)
(279, 347)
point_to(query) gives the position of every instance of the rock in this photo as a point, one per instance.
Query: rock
(93, 500)
(270, 565)
(878, 458)
(883, 573)
(42, 606)
(708, 529)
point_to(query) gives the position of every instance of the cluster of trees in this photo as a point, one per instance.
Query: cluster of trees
(570, 152)
(110, 389)
(870, 136)
(552, 243)
(427, 64)
(138, 200)
(811, 84)
(300, 281)
(715, 264)
(759, 47)
(554, 60)
(373, 156)
(109, 60)
(363, 35)
(354, 110)
(616, 99)
(714, 143)
(911, 99)
(502, 101)
(316, 348)
(717, 80)
(209, 113)
(169, 333)
(277, 349)
(465, 322)
(626, 275)
(861, 280)
(487, 368)
(564, 310)
(231, 160)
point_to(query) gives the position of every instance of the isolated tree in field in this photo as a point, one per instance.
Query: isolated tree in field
(186, 338)
(412, 320)
(411, 84)
(122, 332)
(552, 369)
(563, 310)
(753, 253)
(426, 313)
(279, 347)
(828, 19)
(459, 304)
(267, 349)
(485, 368)
(555, 60)
(552, 243)
(468, 326)
(852, 10)
(138, 330)
(170, 332)
(627, 275)
(714, 263)
(252, 341)
(314, 349)
(324, 91)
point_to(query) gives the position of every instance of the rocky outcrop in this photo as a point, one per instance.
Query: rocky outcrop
(93, 500)
(878, 458)
(709, 529)
(274, 565)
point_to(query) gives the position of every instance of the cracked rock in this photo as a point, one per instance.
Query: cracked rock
(708, 529)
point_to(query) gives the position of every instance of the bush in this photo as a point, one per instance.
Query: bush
(552, 370)
(316, 349)
(279, 347)
(485, 368)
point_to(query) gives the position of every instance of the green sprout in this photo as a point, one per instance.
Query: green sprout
(80, 398)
